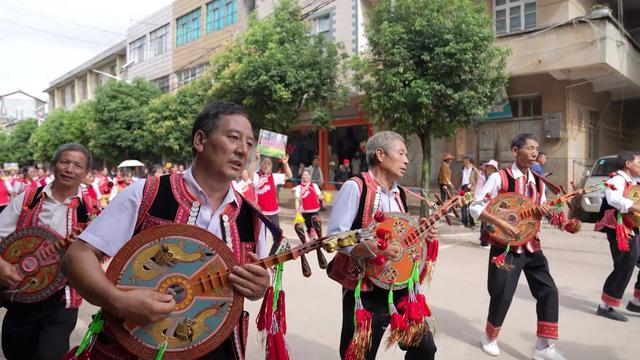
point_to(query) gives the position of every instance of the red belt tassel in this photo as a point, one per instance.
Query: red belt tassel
(622, 235)
(361, 341)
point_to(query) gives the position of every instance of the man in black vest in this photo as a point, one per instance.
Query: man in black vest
(527, 258)
(41, 330)
(222, 137)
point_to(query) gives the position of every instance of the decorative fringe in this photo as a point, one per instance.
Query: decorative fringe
(361, 341)
(398, 325)
(432, 256)
(272, 320)
(622, 235)
(415, 312)
(501, 260)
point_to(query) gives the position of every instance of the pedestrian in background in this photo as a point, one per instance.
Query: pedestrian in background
(444, 177)
(487, 168)
(468, 183)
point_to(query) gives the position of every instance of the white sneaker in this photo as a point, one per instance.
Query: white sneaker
(548, 353)
(489, 346)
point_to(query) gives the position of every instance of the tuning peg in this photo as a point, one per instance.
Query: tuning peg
(300, 231)
(317, 226)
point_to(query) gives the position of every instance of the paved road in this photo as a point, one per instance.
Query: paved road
(459, 300)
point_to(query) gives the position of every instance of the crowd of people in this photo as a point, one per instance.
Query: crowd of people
(234, 197)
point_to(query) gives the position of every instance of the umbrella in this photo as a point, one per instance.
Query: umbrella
(130, 163)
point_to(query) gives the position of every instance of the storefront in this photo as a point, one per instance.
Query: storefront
(345, 141)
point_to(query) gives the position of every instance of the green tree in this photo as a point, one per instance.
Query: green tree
(278, 70)
(63, 126)
(120, 120)
(17, 143)
(432, 67)
(169, 120)
(4, 151)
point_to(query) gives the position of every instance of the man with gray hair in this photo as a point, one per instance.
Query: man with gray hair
(41, 330)
(358, 200)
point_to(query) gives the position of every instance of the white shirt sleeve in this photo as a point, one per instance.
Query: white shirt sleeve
(262, 250)
(491, 187)
(9, 216)
(115, 225)
(616, 198)
(344, 208)
(279, 179)
(296, 191)
(317, 189)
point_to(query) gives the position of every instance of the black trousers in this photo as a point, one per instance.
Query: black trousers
(623, 265)
(467, 219)
(307, 220)
(39, 330)
(276, 220)
(376, 302)
(502, 285)
(443, 194)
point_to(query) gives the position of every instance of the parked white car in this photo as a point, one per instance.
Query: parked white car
(589, 204)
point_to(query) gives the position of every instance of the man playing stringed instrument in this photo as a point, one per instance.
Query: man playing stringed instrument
(528, 258)
(359, 200)
(622, 234)
(222, 137)
(41, 330)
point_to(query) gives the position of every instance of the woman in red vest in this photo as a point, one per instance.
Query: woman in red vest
(266, 183)
(307, 199)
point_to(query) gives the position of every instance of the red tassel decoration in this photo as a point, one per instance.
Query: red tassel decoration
(432, 255)
(501, 260)
(281, 316)
(555, 219)
(562, 218)
(379, 216)
(361, 341)
(572, 226)
(71, 355)
(398, 325)
(264, 316)
(622, 236)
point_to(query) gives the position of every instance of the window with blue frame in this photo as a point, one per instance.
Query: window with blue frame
(221, 13)
(188, 27)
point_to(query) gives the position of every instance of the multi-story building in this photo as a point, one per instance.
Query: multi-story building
(574, 82)
(173, 46)
(81, 83)
(17, 106)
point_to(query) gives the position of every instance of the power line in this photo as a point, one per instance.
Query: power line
(57, 19)
(52, 33)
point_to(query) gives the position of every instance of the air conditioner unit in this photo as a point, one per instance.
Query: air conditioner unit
(553, 125)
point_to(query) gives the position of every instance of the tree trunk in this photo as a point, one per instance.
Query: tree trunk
(425, 140)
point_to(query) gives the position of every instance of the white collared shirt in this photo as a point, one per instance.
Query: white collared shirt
(346, 204)
(53, 213)
(116, 224)
(493, 185)
(616, 198)
(466, 176)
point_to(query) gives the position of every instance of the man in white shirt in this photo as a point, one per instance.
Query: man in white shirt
(378, 189)
(222, 137)
(468, 184)
(527, 258)
(41, 330)
(623, 238)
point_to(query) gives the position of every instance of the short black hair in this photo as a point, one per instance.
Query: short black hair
(521, 139)
(623, 157)
(542, 153)
(73, 147)
(212, 114)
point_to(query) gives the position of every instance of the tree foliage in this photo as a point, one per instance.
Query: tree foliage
(63, 126)
(120, 120)
(169, 120)
(432, 67)
(16, 146)
(278, 70)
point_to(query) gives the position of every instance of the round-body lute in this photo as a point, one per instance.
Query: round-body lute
(518, 211)
(191, 264)
(633, 193)
(404, 230)
(36, 253)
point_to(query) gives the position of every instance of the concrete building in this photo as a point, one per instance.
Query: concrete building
(172, 46)
(574, 83)
(81, 83)
(17, 106)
